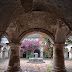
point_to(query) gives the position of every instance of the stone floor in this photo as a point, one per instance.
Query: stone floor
(34, 67)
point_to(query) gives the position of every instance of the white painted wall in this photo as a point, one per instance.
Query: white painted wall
(41, 52)
(4, 51)
(69, 50)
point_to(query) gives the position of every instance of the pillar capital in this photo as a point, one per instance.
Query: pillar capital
(59, 44)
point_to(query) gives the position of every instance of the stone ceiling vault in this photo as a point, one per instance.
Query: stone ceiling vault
(24, 14)
(33, 21)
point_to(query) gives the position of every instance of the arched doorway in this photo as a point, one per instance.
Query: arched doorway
(68, 48)
(37, 51)
(24, 55)
(40, 39)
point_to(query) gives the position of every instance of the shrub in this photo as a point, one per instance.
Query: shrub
(49, 68)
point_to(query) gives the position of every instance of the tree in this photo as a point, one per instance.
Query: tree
(28, 46)
(48, 49)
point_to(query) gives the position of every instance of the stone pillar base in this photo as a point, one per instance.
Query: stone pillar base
(13, 69)
(57, 69)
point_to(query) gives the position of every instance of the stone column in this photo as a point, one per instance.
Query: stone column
(58, 58)
(70, 54)
(3, 54)
(14, 60)
(6, 54)
(41, 54)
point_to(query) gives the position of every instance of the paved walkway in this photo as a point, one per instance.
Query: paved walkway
(34, 67)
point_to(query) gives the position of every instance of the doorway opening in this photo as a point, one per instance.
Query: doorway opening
(24, 55)
(37, 51)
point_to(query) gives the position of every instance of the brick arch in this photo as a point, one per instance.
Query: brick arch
(36, 30)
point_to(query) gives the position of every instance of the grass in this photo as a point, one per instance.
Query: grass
(49, 68)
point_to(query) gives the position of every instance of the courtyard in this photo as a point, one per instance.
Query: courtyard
(34, 67)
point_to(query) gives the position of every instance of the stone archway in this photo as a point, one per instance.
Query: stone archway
(40, 32)
(37, 30)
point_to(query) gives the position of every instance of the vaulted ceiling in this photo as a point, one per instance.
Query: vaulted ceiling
(26, 14)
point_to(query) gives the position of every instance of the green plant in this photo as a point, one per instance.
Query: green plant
(65, 49)
(69, 41)
(48, 52)
(49, 68)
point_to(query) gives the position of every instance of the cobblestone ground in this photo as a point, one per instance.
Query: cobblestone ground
(34, 67)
